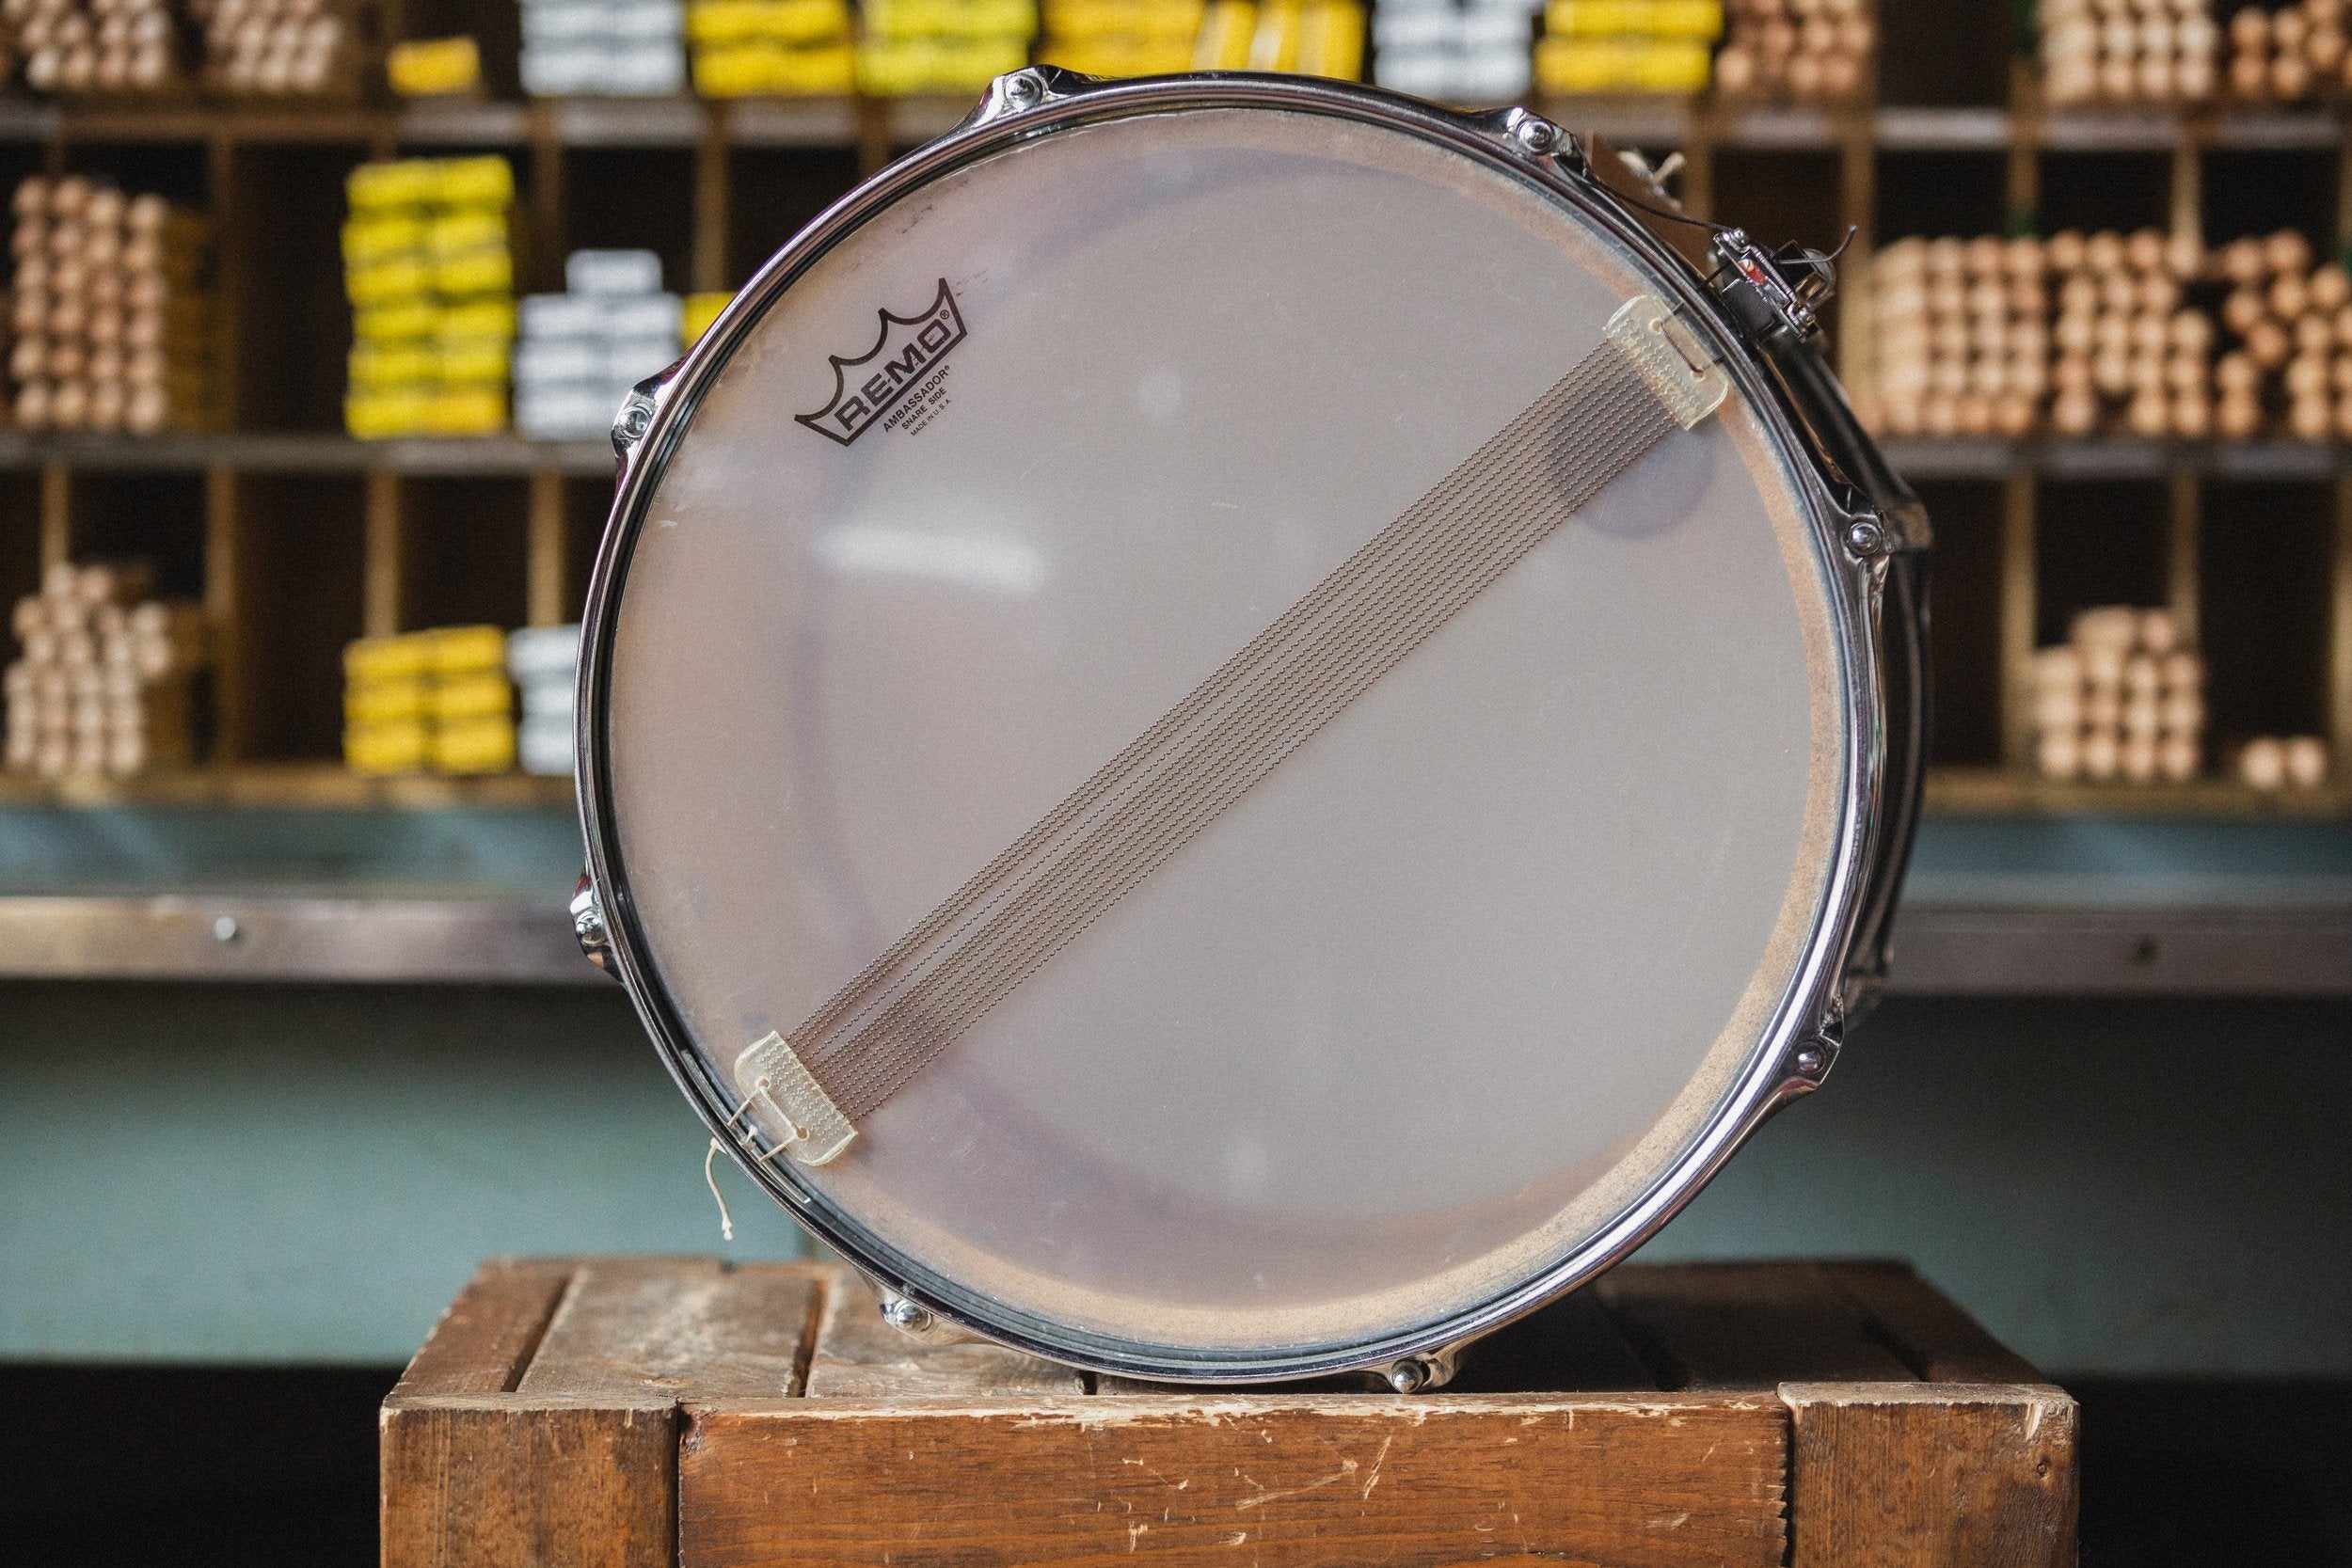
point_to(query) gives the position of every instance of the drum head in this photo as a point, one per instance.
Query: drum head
(1470, 977)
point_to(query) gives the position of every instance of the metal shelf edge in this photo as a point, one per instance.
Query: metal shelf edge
(1938, 951)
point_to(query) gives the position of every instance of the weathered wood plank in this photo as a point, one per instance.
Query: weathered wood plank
(1942, 1343)
(485, 1340)
(1745, 1325)
(487, 1482)
(1316, 1481)
(858, 1357)
(690, 1327)
(1932, 1475)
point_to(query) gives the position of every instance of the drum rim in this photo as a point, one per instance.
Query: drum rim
(1037, 102)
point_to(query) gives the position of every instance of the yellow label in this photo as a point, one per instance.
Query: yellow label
(484, 181)
(397, 747)
(466, 360)
(701, 310)
(397, 279)
(485, 695)
(384, 364)
(395, 323)
(1225, 29)
(465, 650)
(478, 271)
(387, 186)
(1331, 39)
(374, 660)
(368, 703)
(475, 319)
(428, 68)
(473, 746)
(455, 233)
(369, 238)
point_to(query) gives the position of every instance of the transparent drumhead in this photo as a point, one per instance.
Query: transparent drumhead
(1438, 999)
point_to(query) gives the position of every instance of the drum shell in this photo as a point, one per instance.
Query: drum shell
(1876, 637)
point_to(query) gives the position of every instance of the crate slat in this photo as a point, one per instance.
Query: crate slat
(1330, 1480)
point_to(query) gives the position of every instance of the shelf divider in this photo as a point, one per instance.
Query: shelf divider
(2019, 596)
(225, 611)
(384, 585)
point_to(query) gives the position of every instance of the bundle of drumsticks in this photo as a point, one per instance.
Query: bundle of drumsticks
(2078, 335)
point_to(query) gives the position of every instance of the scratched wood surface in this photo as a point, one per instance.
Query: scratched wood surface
(679, 1412)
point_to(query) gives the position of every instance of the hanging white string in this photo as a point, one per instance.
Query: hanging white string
(711, 1177)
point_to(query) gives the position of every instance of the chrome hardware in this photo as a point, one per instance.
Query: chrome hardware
(636, 416)
(1421, 1375)
(588, 926)
(1811, 1061)
(906, 1317)
(1020, 90)
(1866, 538)
(226, 929)
(1754, 283)
(1536, 136)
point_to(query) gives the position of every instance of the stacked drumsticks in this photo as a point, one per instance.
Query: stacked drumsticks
(2127, 51)
(1805, 51)
(2122, 342)
(2291, 327)
(2293, 52)
(110, 321)
(1960, 336)
(2080, 336)
(104, 683)
(2120, 699)
(278, 48)
(78, 46)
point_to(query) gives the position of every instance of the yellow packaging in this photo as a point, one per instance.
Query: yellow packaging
(478, 696)
(394, 279)
(701, 310)
(949, 18)
(1664, 19)
(451, 651)
(375, 364)
(484, 181)
(473, 746)
(431, 68)
(377, 413)
(397, 747)
(398, 322)
(387, 661)
(383, 702)
(466, 411)
(725, 22)
(1226, 27)
(471, 360)
(463, 229)
(1330, 40)
(475, 272)
(475, 318)
(375, 237)
(1672, 65)
(387, 186)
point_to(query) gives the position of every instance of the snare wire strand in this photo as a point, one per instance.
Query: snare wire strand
(1131, 836)
(972, 978)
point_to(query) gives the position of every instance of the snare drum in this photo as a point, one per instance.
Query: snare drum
(1234, 728)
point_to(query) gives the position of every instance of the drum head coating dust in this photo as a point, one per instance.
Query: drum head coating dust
(1197, 767)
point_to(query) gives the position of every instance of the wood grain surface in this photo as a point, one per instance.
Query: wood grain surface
(1932, 1475)
(1324, 1479)
(679, 1411)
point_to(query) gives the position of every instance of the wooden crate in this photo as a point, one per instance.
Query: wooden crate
(656, 1411)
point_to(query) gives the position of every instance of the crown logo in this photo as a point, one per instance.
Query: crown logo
(867, 387)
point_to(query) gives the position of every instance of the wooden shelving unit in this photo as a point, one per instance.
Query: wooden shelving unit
(297, 537)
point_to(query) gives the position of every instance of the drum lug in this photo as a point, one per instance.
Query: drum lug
(595, 940)
(1425, 1373)
(1810, 1062)
(1018, 92)
(636, 416)
(919, 1322)
(1530, 135)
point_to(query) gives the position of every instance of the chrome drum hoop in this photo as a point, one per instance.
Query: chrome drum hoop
(1876, 643)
